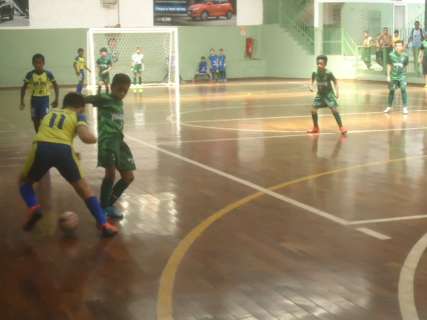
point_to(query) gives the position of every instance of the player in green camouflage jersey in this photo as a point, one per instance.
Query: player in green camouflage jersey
(325, 97)
(396, 76)
(423, 60)
(113, 153)
(104, 65)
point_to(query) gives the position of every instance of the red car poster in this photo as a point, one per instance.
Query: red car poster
(194, 12)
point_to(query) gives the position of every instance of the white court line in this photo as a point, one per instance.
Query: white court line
(408, 309)
(415, 217)
(172, 143)
(296, 135)
(249, 184)
(294, 116)
(296, 131)
(373, 233)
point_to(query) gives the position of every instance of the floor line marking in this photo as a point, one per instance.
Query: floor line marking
(374, 234)
(406, 291)
(385, 220)
(171, 143)
(292, 116)
(295, 131)
(247, 183)
(164, 307)
(297, 135)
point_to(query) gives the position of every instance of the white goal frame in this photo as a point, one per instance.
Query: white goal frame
(173, 34)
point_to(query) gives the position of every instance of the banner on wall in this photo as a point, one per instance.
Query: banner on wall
(194, 12)
(14, 13)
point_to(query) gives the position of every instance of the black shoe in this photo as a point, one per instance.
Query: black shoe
(32, 219)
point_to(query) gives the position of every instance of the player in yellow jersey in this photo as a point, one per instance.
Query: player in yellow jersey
(80, 67)
(40, 81)
(52, 147)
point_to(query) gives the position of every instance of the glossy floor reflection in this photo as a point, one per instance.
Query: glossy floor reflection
(235, 213)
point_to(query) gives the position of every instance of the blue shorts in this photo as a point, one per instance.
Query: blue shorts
(39, 107)
(82, 76)
(45, 155)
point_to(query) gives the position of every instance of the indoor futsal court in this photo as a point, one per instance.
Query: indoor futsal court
(213, 160)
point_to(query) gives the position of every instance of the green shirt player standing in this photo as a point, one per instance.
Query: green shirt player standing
(396, 76)
(104, 65)
(113, 153)
(325, 97)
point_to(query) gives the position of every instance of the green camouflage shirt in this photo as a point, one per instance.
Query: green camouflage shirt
(398, 63)
(103, 63)
(324, 81)
(110, 115)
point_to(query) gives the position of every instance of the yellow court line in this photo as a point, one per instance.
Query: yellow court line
(167, 279)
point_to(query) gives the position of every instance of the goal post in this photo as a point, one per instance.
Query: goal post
(159, 46)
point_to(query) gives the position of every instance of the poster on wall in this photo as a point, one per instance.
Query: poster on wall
(14, 13)
(195, 12)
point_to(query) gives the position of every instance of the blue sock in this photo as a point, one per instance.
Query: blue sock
(95, 208)
(28, 194)
(79, 88)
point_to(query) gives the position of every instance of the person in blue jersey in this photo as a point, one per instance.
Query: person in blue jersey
(222, 65)
(40, 81)
(203, 70)
(53, 148)
(213, 64)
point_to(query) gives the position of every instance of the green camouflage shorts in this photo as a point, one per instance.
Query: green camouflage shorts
(323, 101)
(104, 77)
(115, 152)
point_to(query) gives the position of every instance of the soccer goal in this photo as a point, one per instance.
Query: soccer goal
(159, 47)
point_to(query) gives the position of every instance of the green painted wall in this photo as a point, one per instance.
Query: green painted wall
(356, 18)
(195, 42)
(285, 58)
(271, 11)
(59, 46)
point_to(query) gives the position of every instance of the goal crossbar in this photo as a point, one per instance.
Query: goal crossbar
(170, 52)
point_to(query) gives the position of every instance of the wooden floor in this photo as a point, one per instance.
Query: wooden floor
(235, 214)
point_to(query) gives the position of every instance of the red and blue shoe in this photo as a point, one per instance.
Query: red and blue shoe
(34, 215)
(108, 230)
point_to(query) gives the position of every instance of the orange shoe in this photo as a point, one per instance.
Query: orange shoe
(108, 230)
(343, 130)
(35, 214)
(314, 130)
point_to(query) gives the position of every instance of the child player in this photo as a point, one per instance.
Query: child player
(202, 70)
(104, 64)
(396, 76)
(113, 153)
(52, 147)
(213, 62)
(39, 81)
(80, 67)
(325, 97)
(222, 65)
(138, 66)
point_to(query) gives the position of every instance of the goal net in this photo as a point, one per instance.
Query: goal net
(158, 45)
